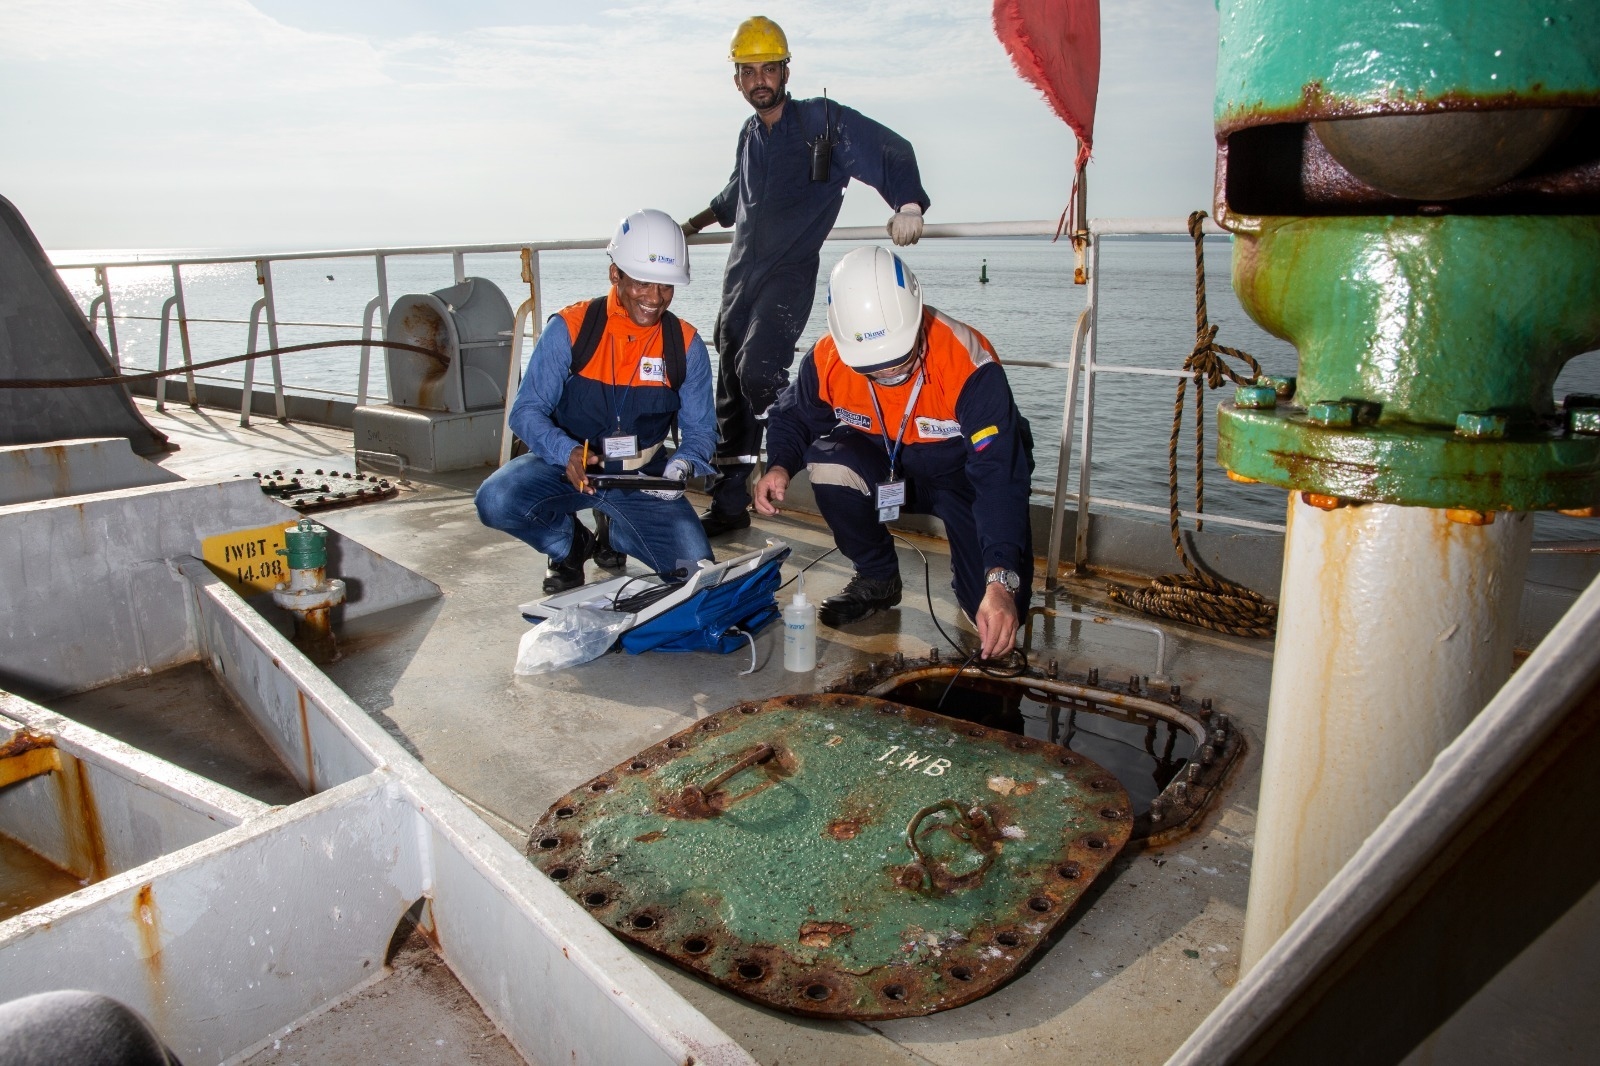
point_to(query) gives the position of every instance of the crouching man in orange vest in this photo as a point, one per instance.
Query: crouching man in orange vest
(902, 408)
(607, 379)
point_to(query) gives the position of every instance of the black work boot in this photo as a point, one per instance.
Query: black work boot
(716, 522)
(859, 598)
(605, 556)
(568, 573)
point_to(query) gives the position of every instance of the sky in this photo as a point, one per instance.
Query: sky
(310, 124)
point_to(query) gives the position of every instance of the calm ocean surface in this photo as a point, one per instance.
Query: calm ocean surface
(1027, 310)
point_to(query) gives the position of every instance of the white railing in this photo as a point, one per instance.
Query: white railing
(1081, 365)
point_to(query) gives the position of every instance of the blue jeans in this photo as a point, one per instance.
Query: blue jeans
(534, 502)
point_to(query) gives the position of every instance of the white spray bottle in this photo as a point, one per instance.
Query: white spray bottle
(800, 632)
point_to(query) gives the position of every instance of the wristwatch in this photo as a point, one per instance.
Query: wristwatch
(1001, 576)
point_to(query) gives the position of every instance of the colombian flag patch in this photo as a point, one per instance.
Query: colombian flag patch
(984, 437)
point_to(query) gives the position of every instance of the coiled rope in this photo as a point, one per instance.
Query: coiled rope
(1196, 597)
(123, 379)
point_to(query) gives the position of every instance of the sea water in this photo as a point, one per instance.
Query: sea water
(1028, 309)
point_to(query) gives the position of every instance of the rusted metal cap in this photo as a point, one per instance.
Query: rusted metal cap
(838, 856)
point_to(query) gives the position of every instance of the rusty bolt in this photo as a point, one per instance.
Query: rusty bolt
(1055, 670)
(1255, 397)
(1321, 502)
(1205, 703)
(1284, 387)
(1094, 675)
(1194, 773)
(1467, 517)
(1481, 425)
(1208, 755)
(1133, 683)
(1584, 420)
(933, 655)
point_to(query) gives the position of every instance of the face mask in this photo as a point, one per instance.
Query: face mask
(904, 376)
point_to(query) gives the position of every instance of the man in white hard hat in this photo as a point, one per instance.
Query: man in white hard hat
(605, 383)
(900, 407)
(794, 159)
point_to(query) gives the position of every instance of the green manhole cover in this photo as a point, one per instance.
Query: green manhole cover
(838, 856)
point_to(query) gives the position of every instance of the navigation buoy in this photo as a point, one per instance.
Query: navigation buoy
(983, 273)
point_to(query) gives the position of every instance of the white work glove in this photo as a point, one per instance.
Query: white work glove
(677, 470)
(905, 225)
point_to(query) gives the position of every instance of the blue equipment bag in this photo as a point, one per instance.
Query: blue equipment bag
(705, 621)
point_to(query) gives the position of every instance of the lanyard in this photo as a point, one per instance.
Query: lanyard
(911, 404)
(619, 393)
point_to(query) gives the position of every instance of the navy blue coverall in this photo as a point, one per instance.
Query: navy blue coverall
(780, 219)
(979, 493)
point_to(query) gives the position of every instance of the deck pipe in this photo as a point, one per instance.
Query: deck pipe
(1435, 274)
(310, 595)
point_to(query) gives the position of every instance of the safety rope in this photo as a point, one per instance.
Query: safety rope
(1196, 597)
(123, 379)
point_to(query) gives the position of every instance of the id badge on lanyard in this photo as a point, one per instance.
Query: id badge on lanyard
(620, 446)
(890, 495)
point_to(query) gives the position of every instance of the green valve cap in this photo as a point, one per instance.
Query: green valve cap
(1481, 425)
(306, 545)
(1258, 396)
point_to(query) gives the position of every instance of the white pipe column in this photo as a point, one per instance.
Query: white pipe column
(1396, 627)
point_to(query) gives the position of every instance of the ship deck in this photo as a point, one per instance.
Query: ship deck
(1151, 950)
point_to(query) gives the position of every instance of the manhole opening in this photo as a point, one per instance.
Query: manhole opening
(1145, 753)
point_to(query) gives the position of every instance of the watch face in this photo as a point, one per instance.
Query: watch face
(1008, 578)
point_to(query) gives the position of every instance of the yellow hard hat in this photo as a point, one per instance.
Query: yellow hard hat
(759, 40)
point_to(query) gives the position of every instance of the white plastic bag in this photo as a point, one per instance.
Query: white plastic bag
(571, 636)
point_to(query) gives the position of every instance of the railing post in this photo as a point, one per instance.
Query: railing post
(161, 352)
(1080, 551)
(378, 305)
(459, 261)
(183, 335)
(514, 375)
(1058, 509)
(249, 390)
(111, 318)
(264, 279)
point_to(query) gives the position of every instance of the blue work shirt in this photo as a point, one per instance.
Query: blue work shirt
(780, 216)
(533, 411)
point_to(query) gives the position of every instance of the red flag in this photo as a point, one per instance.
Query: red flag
(1055, 44)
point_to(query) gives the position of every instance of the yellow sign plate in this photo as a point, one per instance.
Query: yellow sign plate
(247, 559)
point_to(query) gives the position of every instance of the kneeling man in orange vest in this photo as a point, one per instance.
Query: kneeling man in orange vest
(902, 408)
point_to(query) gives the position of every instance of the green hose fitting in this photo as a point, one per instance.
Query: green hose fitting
(306, 545)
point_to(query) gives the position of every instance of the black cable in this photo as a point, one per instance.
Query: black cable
(1015, 664)
(672, 580)
(955, 675)
(123, 379)
(804, 568)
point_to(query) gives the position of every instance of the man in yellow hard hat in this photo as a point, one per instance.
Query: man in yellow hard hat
(794, 159)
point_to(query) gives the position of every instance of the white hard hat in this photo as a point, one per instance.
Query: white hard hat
(649, 246)
(874, 309)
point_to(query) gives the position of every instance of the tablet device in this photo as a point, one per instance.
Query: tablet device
(636, 482)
